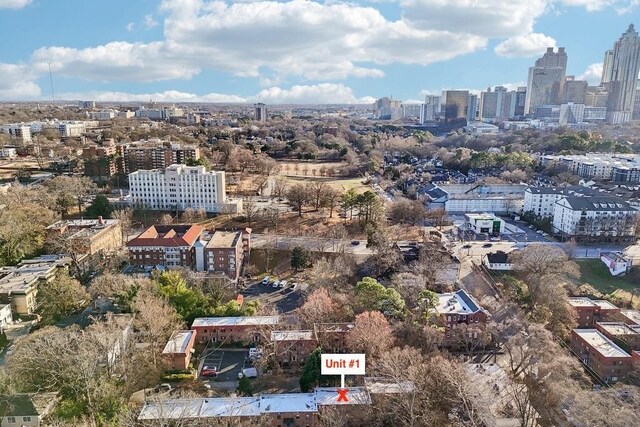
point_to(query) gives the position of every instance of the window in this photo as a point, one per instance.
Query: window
(11, 420)
(26, 419)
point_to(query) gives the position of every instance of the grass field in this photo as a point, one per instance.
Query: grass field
(596, 274)
(340, 184)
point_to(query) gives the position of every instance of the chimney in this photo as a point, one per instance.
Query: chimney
(100, 220)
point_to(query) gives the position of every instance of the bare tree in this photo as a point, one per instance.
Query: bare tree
(125, 216)
(298, 196)
(371, 334)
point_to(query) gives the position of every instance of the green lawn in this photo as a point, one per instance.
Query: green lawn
(595, 273)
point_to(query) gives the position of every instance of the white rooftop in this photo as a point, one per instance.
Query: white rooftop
(178, 342)
(582, 302)
(329, 396)
(632, 315)
(291, 335)
(288, 402)
(617, 328)
(600, 343)
(604, 304)
(21, 278)
(235, 321)
(201, 408)
(456, 303)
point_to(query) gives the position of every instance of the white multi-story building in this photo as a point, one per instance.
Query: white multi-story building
(497, 198)
(541, 201)
(598, 166)
(103, 115)
(8, 153)
(181, 187)
(19, 131)
(601, 218)
(71, 129)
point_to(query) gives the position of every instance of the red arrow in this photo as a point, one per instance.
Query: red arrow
(342, 395)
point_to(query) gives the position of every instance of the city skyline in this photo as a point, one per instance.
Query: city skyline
(204, 51)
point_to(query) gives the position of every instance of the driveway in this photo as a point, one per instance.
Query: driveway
(285, 300)
(228, 363)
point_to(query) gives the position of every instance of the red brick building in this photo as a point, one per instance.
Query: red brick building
(171, 246)
(332, 337)
(603, 356)
(232, 329)
(223, 252)
(178, 350)
(622, 334)
(630, 317)
(591, 311)
(454, 308)
(293, 346)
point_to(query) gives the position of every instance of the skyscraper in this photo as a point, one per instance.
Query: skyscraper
(454, 105)
(387, 109)
(430, 108)
(625, 65)
(521, 101)
(472, 108)
(499, 104)
(544, 85)
(260, 112)
(607, 66)
(574, 91)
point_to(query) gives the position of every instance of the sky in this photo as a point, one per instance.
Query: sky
(287, 52)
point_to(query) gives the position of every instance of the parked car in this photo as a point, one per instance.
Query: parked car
(209, 371)
(283, 283)
(249, 373)
(265, 281)
(355, 242)
(495, 239)
(467, 246)
(487, 245)
(276, 284)
(539, 231)
(294, 285)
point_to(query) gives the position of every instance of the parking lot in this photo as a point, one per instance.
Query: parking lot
(228, 363)
(286, 300)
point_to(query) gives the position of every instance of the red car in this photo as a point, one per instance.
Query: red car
(209, 371)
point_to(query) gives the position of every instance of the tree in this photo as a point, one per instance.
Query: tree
(371, 334)
(280, 187)
(311, 373)
(60, 297)
(188, 215)
(125, 216)
(319, 307)
(298, 196)
(166, 219)
(299, 258)
(316, 190)
(99, 207)
(250, 210)
(245, 388)
(69, 190)
(405, 211)
(330, 199)
(348, 201)
(371, 295)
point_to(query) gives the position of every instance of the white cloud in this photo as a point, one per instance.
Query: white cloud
(593, 74)
(620, 6)
(131, 26)
(525, 45)
(143, 62)
(17, 82)
(14, 4)
(323, 93)
(149, 22)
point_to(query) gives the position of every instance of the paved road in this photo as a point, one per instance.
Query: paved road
(476, 250)
(313, 244)
(285, 300)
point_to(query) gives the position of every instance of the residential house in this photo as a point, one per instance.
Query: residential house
(600, 354)
(616, 262)
(179, 349)
(293, 346)
(171, 246)
(498, 261)
(26, 410)
(232, 329)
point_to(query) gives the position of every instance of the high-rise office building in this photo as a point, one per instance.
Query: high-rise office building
(596, 96)
(387, 109)
(260, 112)
(622, 76)
(472, 108)
(430, 109)
(454, 105)
(607, 66)
(636, 105)
(498, 105)
(574, 91)
(521, 101)
(544, 85)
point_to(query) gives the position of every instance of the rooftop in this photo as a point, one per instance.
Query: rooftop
(292, 336)
(168, 235)
(224, 239)
(605, 305)
(616, 328)
(235, 321)
(21, 278)
(457, 303)
(178, 342)
(498, 257)
(632, 315)
(582, 302)
(288, 402)
(600, 343)
(597, 203)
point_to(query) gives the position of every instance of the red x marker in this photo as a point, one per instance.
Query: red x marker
(342, 395)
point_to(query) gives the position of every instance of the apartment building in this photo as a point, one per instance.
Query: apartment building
(223, 252)
(455, 308)
(599, 166)
(293, 346)
(156, 154)
(630, 317)
(610, 362)
(179, 349)
(590, 311)
(179, 187)
(596, 218)
(18, 131)
(101, 161)
(171, 246)
(91, 236)
(232, 329)
(19, 284)
(624, 335)
(496, 198)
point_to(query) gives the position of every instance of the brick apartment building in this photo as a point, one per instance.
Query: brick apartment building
(591, 311)
(332, 337)
(630, 317)
(101, 161)
(293, 346)
(156, 154)
(91, 236)
(232, 329)
(223, 252)
(172, 246)
(455, 308)
(626, 336)
(178, 350)
(610, 362)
